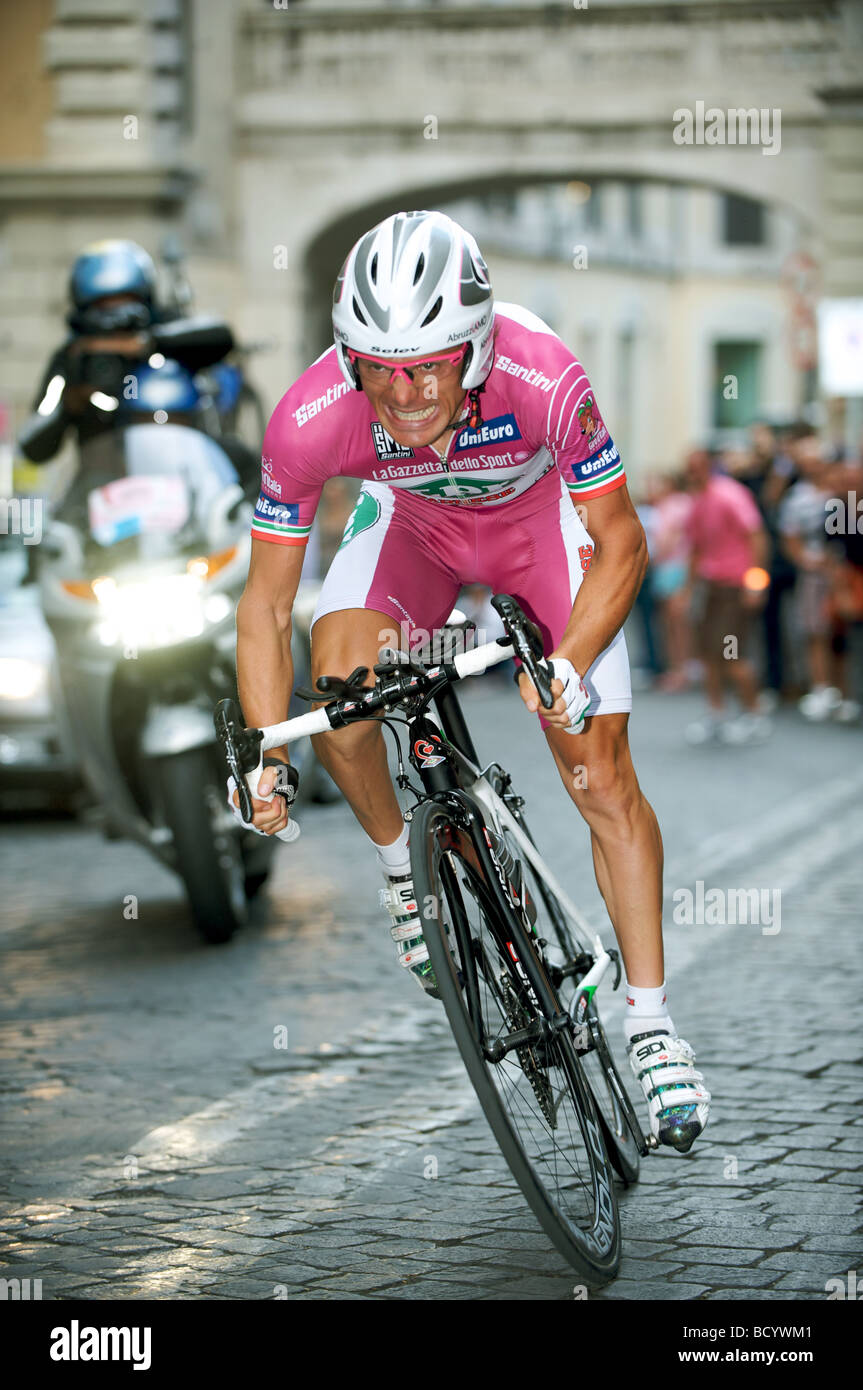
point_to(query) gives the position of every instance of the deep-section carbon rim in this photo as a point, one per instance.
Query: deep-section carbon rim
(534, 1097)
(598, 1065)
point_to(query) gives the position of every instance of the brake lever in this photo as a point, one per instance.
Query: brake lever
(527, 645)
(242, 750)
(335, 688)
(389, 657)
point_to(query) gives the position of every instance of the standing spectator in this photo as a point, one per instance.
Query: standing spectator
(729, 554)
(645, 603)
(845, 562)
(672, 507)
(772, 474)
(768, 470)
(802, 524)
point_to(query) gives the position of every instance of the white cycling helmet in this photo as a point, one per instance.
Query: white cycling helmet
(415, 283)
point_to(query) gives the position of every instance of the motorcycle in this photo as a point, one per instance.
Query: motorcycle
(140, 572)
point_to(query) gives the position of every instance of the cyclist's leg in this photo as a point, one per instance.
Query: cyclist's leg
(391, 582)
(544, 551)
(356, 757)
(596, 769)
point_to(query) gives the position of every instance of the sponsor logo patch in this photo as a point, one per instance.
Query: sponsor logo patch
(496, 431)
(277, 514)
(309, 409)
(386, 447)
(588, 417)
(529, 375)
(364, 515)
(599, 462)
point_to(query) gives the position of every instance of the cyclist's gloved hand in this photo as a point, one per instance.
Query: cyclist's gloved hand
(269, 804)
(575, 696)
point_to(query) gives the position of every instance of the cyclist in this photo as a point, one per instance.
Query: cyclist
(475, 431)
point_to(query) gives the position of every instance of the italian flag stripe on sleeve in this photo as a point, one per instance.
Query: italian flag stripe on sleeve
(602, 484)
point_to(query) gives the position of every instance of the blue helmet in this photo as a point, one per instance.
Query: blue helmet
(112, 267)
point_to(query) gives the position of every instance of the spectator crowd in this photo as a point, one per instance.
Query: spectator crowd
(755, 583)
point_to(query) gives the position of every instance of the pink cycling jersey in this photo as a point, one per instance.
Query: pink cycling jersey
(539, 413)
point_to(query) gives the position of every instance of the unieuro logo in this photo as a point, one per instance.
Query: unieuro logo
(309, 409)
(490, 432)
(283, 513)
(604, 458)
(529, 375)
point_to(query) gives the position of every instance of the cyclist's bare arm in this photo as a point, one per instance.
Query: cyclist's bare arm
(265, 671)
(619, 561)
(610, 587)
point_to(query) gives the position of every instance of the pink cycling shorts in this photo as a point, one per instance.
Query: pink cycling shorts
(408, 558)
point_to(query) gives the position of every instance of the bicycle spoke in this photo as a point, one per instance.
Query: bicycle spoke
(546, 1124)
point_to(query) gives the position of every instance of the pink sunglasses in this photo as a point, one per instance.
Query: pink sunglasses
(406, 369)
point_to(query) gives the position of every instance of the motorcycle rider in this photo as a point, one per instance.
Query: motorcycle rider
(116, 327)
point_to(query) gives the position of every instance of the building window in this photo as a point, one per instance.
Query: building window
(593, 208)
(742, 221)
(634, 219)
(736, 384)
(625, 415)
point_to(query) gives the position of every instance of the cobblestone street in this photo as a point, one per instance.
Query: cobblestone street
(158, 1143)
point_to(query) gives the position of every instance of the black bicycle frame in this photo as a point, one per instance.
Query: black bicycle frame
(442, 783)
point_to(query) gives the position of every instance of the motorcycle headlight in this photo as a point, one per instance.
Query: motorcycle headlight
(21, 679)
(157, 612)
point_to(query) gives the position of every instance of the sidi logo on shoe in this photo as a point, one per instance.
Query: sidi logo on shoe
(649, 1048)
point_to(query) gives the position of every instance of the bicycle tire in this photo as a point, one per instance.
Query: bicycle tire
(614, 1107)
(591, 1244)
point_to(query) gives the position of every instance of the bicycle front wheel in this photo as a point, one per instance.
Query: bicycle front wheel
(614, 1107)
(526, 1075)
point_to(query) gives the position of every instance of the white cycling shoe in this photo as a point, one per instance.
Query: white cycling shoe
(677, 1100)
(400, 901)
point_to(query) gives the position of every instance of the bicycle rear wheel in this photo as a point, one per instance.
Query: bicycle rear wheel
(530, 1086)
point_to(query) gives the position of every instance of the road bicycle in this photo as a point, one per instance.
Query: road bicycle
(517, 965)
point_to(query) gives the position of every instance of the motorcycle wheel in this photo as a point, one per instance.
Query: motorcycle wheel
(209, 855)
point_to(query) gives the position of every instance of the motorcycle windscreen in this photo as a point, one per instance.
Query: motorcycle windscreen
(145, 492)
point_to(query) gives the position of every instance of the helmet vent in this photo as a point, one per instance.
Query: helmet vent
(433, 311)
(359, 313)
(421, 265)
(373, 269)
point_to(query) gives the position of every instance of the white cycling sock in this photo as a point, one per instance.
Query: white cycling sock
(394, 859)
(646, 1011)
